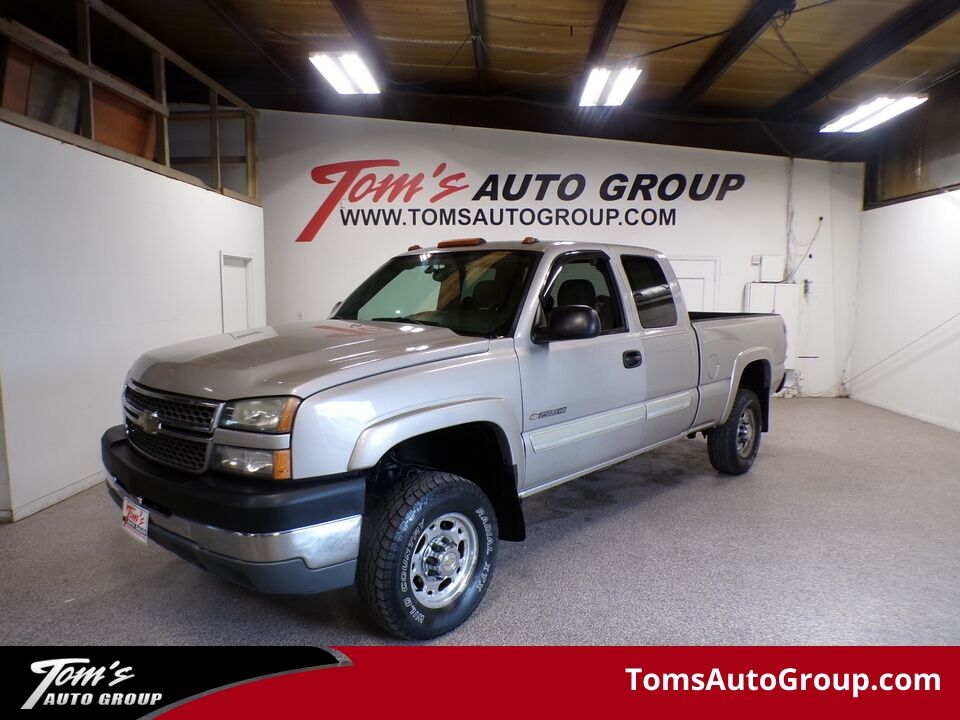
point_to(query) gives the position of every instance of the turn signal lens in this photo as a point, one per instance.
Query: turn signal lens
(281, 465)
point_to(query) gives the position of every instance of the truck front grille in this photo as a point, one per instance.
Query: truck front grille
(180, 427)
(178, 452)
(174, 410)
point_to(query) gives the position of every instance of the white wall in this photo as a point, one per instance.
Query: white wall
(99, 261)
(910, 284)
(826, 264)
(5, 505)
(309, 277)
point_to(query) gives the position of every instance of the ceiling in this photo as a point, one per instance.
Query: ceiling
(759, 75)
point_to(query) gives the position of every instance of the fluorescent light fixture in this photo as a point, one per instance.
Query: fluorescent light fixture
(872, 113)
(347, 73)
(596, 82)
(622, 85)
(611, 85)
(359, 74)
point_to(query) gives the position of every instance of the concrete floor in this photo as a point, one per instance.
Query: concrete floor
(846, 531)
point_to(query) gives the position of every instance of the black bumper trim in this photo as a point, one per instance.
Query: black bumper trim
(233, 504)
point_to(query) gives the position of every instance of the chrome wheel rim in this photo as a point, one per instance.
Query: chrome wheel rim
(746, 433)
(444, 559)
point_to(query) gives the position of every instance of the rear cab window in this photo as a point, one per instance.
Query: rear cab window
(650, 290)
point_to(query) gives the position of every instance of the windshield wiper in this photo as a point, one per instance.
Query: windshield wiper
(407, 320)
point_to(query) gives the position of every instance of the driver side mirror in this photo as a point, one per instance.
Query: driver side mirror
(569, 322)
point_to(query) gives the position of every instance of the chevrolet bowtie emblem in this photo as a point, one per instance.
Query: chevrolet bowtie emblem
(150, 422)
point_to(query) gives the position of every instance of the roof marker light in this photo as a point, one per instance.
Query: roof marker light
(462, 242)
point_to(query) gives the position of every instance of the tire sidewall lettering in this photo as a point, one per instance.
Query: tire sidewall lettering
(463, 606)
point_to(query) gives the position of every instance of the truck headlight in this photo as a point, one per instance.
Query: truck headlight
(273, 464)
(270, 415)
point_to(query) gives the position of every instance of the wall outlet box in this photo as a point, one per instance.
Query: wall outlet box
(772, 267)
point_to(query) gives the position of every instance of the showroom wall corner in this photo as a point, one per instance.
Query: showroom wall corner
(99, 261)
(907, 347)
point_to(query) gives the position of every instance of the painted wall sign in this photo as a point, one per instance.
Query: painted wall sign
(454, 197)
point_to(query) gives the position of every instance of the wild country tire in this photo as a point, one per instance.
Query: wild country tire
(421, 533)
(733, 446)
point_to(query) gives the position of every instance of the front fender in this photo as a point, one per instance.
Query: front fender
(379, 437)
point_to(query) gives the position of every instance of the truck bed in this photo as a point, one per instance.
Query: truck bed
(721, 338)
(701, 316)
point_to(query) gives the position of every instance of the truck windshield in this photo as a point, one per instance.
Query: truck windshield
(469, 292)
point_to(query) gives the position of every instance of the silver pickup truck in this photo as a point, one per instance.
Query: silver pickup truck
(392, 444)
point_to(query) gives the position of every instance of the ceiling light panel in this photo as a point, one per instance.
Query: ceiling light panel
(346, 73)
(608, 87)
(872, 113)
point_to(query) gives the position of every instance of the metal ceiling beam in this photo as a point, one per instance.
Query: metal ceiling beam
(603, 33)
(248, 35)
(475, 16)
(353, 18)
(916, 20)
(751, 26)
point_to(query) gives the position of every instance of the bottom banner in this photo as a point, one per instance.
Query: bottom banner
(483, 682)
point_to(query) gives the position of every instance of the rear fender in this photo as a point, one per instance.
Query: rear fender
(739, 364)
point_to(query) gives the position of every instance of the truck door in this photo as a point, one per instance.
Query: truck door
(582, 399)
(670, 349)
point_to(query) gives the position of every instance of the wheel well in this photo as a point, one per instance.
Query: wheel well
(476, 451)
(756, 377)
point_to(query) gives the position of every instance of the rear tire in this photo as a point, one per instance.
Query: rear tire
(733, 445)
(430, 555)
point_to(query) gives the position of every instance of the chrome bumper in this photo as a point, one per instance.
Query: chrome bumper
(318, 546)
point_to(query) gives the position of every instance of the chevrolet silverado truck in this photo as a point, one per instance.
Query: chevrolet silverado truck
(393, 443)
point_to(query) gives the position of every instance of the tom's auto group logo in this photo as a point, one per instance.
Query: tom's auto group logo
(118, 683)
(75, 681)
(407, 198)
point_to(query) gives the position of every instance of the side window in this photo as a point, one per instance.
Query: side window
(588, 281)
(651, 291)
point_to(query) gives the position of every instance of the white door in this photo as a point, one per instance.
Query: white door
(698, 281)
(236, 292)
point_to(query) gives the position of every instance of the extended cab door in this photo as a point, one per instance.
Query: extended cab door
(582, 399)
(670, 347)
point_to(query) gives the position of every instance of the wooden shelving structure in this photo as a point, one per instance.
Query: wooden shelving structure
(115, 118)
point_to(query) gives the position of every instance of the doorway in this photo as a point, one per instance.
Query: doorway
(698, 281)
(236, 291)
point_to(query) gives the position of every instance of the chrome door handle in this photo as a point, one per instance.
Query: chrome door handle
(632, 359)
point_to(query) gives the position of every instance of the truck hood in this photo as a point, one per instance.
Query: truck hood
(297, 359)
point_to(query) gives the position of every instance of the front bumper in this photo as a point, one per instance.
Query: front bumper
(302, 538)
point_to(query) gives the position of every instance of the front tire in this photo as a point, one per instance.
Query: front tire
(733, 446)
(430, 555)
